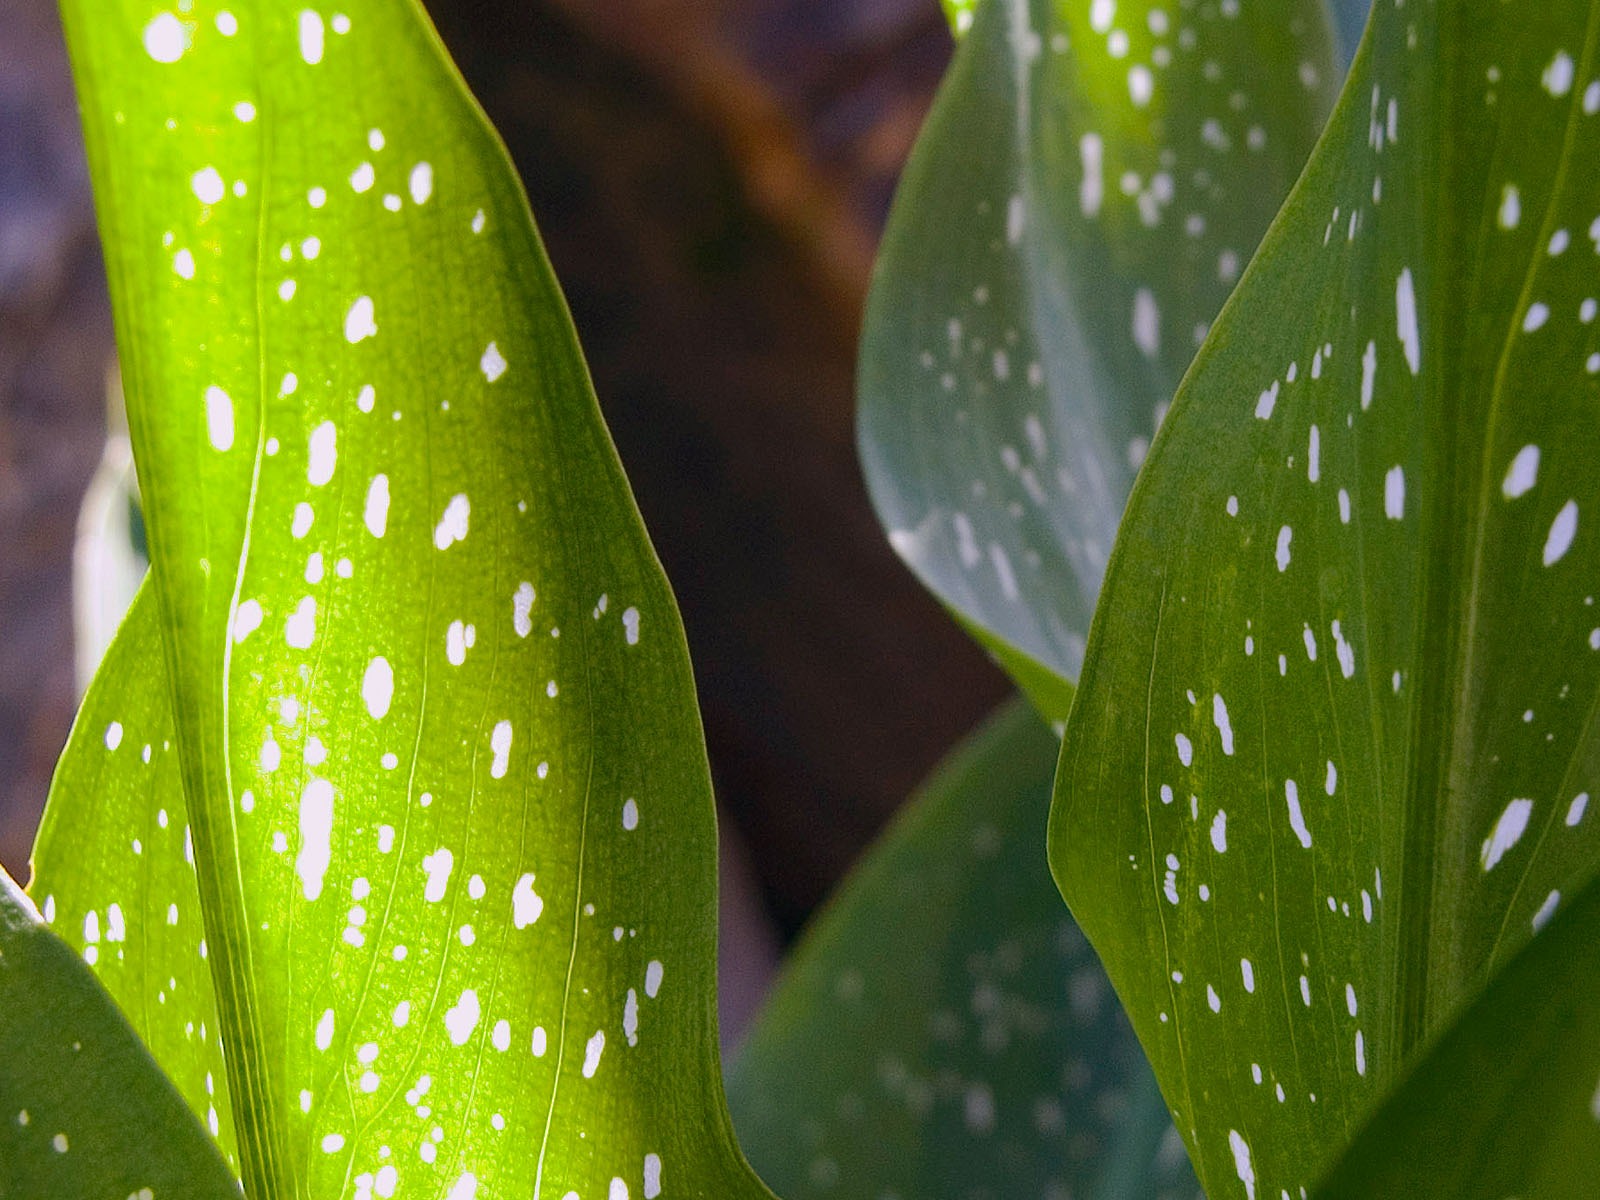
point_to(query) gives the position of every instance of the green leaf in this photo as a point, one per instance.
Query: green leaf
(114, 874)
(944, 1029)
(1090, 183)
(440, 763)
(1331, 761)
(84, 1112)
(1507, 1102)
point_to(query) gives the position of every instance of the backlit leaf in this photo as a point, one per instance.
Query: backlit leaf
(1507, 1103)
(1092, 180)
(944, 1029)
(442, 772)
(1331, 762)
(84, 1112)
(114, 874)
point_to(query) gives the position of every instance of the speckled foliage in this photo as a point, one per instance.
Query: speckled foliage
(978, 1048)
(1331, 759)
(1090, 184)
(428, 849)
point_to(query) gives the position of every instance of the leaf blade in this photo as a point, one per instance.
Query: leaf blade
(944, 1061)
(1503, 1103)
(457, 868)
(1044, 278)
(1322, 596)
(65, 1048)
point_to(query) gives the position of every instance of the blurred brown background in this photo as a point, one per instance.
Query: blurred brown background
(710, 177)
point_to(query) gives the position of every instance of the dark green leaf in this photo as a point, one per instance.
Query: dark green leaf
(84, 1112)
(944, 1029)
(1507, 1103)
(1331, 761)
(1088, 187)
(440, 764)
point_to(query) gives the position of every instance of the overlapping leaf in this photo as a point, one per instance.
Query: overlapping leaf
(1091, 182)
(1331, 761)
(65, 1051)
(114, 869)
(442, 774)
(1507, 1102)
(945, 1030)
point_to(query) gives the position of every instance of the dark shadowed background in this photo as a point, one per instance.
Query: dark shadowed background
(710, 177)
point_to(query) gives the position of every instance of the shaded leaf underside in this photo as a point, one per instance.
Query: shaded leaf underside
(437, 760)
(1330, 762)
(1089, 185)
(944, 1029)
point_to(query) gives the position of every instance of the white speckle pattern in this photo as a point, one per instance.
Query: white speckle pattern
(492, 363)
(592, 1050)
(316, 834)
(1405, 301)
(377, 687)
(312, 36)
(526, 904)
(166, 38)
(1241, 1163)
(1522, 474)
(360, 322)
(452, 526)
(421, 183)
(1297, 820)
(1508, 828)
(1562, 531)
(462, 1017)
(375, 514)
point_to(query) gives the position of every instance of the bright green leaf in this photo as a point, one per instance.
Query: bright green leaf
(113, 869)
(944, 1029)
(1507, 1103)
(1090, 183)
(1330, 763)
(84, 1112)
(959, 13)
(442, 771)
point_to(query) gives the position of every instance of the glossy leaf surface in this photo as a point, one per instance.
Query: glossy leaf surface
(1507, 1102)
(441, 768)
(944, 1029)
(1331, 761)
(1090, 183)
(64, 1052)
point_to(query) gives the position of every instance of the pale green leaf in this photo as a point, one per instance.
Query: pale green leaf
(1507, 1102)
(441, 767)
(1089, 185)
(1331, 760)
(944, 1029)
(84, 1112)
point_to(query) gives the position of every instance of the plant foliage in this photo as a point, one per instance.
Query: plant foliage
(1090, 184)
(408, 689)
(1330, 765)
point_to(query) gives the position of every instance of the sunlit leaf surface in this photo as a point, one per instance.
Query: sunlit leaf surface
(84, 1112)
(1507, 1102)
(944, 1030)
(1332, 759)
(1091, 182)
(442, 773)
(114, 869)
